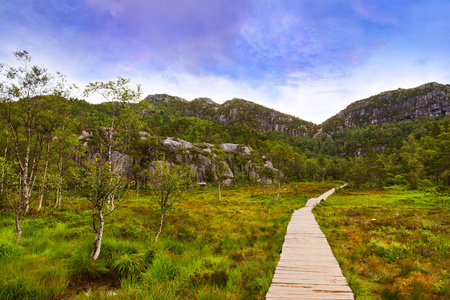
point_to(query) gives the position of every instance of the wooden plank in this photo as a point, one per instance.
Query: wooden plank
(307, 268)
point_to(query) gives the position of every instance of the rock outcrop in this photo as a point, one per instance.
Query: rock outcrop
(202, 158)
(428, 100)
(203, 161)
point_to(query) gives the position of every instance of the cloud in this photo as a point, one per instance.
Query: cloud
(304, 57)
(188, 34)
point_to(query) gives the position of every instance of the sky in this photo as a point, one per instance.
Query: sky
(307, 58)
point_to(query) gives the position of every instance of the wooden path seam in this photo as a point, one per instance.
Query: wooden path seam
(307, 268)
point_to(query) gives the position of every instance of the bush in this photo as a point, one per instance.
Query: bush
(129, 265)
(149, 256)
(113, 248)
(162, 269)
(82, 266)
(7, 250)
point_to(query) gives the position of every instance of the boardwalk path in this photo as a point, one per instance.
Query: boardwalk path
(307, 268)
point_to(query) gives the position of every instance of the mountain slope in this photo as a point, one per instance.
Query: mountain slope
(235, 112)
(428, 100)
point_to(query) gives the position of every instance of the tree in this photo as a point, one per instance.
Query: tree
(119, 96)
(99, 182)
(297, 163)
(266, 174)
(311, 169)
(170, 184)
(240, 162)
(31, 109)
(413, 155)
(358, 171)
(11, 191)
(278, 155)
(379, 172)
(221, 171)
(102, 179)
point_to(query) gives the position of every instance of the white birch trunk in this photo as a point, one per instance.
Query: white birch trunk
(160, 227)
(19, 231)
(45, 177)
(98, 237)
(3, 171)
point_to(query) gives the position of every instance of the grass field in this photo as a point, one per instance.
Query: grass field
(208, 249)
(391, 244)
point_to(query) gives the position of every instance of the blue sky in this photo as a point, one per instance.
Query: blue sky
(308, 58)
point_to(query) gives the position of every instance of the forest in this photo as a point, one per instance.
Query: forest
(72, 170)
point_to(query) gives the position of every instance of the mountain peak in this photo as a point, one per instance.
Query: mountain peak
(428, 100)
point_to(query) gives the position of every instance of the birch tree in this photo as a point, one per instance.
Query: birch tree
(102, 182)
(278, 155)
(221, 171)
(118, 96)
(98, 183)
(170, 184)
(31, 108)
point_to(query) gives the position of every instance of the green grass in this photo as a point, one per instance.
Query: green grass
(209, 249)
(391, 244)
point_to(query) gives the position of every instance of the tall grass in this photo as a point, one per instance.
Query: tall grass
(391, 244)
(208, 249)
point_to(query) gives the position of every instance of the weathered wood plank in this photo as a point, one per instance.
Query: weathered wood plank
(307, 268)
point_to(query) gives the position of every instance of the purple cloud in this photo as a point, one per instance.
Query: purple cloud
(264, 45)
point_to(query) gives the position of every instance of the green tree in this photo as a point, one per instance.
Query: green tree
(358, 171)
(99, 182)
(118, 95)
(31, 109)
(170, 184)
(222, 171)
(413, 155)
(312, 169)
(297, 166)
(266, 175)
(379, 172)
(278, 155)
(10, 192)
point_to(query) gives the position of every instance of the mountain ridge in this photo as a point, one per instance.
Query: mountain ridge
(238, 112)
(428, 100)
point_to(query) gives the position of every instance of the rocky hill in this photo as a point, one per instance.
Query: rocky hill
(203, 158)
(235, 112)
(428, 100)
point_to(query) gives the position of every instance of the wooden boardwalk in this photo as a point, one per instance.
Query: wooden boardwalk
(307, 268)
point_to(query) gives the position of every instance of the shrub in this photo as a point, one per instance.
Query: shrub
(6, 250)
(162, 269)
(82, 266)
(128, 265)
(149, 256)
(113, 248)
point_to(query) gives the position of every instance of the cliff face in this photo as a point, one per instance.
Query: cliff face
(257, 117)
(236, 112)
(428, 100)
(238, 161)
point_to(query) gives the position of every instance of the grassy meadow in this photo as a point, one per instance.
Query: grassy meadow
(391, 244)
(209, 249)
